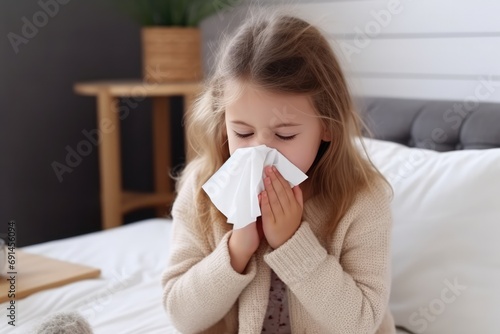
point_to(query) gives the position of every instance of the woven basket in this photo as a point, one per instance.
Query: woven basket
(171, 54)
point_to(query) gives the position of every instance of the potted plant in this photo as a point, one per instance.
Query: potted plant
(170, 37)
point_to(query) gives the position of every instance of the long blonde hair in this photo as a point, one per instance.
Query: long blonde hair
(283, 54)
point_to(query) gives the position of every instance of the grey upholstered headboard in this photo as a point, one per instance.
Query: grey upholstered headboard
(432, 124)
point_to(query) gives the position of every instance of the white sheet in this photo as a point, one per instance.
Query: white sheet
(127, 296)
(126, 299)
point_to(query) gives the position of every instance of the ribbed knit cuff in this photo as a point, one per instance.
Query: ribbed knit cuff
(298, 257)
(220, 263)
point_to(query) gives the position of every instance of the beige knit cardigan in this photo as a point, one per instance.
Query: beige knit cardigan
(339, 288)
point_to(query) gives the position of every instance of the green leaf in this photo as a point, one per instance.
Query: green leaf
(172, 12)
(205, 9)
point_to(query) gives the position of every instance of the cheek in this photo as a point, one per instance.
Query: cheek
(233, 144)
(301, 155)
(232, 147)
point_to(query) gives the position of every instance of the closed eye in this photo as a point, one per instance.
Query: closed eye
(286, 138)
(243, 136)
(249, 134)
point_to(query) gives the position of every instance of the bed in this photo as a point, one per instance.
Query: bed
(446, 225)
(124, 299)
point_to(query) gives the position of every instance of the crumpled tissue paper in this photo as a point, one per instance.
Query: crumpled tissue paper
(235, 187)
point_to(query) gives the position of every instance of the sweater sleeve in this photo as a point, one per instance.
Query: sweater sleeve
(199, 287)
(350, 294)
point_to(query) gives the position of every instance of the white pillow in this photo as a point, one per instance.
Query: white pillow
(446, 237)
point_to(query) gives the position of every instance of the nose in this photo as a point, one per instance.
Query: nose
(265, 137)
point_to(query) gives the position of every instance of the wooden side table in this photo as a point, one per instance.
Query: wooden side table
(115, 201)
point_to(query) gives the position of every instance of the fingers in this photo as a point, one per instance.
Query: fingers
(272, 198)
(267, 212)
(278, 197)
(284, 184)
(280, 187)
(298, 195)
(274, 193)
(281, 207)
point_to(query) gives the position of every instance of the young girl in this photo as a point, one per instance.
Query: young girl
(318, 259)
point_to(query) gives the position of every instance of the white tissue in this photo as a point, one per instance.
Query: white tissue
(234, 188)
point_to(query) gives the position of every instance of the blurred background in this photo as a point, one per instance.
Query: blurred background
(47, 47)
(41, 116)
(425, 49)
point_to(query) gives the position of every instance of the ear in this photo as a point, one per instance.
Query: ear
(327, 135)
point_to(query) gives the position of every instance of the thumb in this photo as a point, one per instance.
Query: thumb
(298, 195)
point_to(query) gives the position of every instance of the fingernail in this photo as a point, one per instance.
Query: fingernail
(274, 169)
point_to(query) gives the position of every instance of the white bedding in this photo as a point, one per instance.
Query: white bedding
(126, 299)
(127, 296)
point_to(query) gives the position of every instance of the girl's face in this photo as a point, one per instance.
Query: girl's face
(283, 122)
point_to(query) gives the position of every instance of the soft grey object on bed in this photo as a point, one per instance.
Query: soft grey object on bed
(433, 124)
(64, 323)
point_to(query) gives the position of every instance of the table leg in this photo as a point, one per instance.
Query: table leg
(162, 149)
(109, 160)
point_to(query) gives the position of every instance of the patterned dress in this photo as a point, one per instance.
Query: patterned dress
(277, 320)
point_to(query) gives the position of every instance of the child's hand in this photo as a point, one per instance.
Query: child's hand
(281, 208)
(244, 242)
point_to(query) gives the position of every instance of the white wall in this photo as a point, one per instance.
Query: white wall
(432, 49)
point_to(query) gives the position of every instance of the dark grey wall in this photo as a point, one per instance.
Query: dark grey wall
(40, 116)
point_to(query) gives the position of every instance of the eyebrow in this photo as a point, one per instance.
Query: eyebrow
(281, 125)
